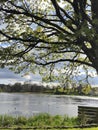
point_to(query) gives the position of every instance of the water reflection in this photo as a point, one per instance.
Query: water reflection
(28, 104)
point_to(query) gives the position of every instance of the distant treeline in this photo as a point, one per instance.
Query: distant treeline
(55, 89)
(26, 87)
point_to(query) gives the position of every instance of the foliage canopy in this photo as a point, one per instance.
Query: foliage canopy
(47, 34)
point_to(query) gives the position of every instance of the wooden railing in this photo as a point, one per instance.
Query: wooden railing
(88, 115)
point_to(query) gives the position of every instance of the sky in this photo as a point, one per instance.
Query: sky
(9, 77)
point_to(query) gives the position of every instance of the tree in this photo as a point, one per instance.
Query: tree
(45, 33)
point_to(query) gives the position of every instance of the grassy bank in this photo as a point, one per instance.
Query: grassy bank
(40, 122)
(94, 128)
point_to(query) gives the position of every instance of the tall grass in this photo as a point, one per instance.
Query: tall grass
(38, 120)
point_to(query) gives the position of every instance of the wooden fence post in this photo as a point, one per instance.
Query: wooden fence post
(88, 115)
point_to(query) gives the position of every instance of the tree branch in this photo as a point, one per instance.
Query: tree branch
(58, 13)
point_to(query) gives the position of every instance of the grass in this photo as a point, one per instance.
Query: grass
(24, 128)
(39, 122)
(94, 128)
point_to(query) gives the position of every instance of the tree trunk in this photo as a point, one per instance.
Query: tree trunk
(95, 63)
(94, 9)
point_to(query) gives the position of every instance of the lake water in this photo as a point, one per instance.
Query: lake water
(29, 104)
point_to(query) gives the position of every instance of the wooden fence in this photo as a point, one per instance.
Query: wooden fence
(88, 115)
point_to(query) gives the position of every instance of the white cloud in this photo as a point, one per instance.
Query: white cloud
(9, 77)
(28, 77)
